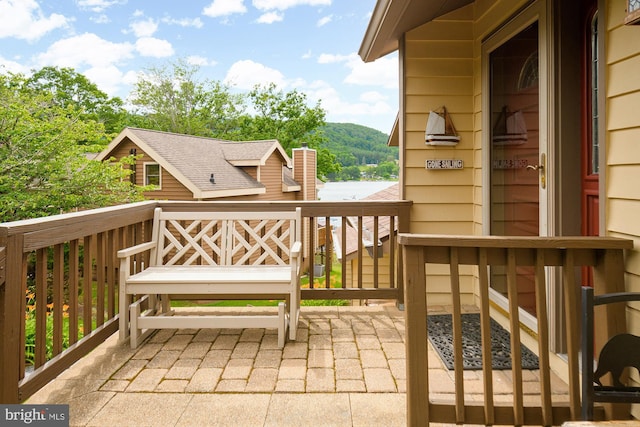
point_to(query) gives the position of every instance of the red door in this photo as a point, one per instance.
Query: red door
(590, 125)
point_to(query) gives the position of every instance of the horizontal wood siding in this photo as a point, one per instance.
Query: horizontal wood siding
(438, 71)
(622, 86)
(171, 189)
(271, 178)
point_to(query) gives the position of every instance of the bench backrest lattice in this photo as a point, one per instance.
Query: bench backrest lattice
(224, 238)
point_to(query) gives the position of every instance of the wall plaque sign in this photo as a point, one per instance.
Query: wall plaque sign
(440, 164)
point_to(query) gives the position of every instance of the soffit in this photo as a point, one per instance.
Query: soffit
(392, 18)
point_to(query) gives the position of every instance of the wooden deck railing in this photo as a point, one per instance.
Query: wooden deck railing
(61, 273)
(604, 255)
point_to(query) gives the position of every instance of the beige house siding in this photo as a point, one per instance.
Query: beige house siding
(306, 158)
(437, 60)
(271, 178)
(622, 172)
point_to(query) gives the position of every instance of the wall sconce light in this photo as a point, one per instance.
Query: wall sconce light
(212, 179)
(633, 13)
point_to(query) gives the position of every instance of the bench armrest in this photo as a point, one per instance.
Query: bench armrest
(296, 249)
(142, 247)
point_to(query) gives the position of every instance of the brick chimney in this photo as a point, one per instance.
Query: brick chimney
(305, 171)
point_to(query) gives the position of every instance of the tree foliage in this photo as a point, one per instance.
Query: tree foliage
(172, 99)
(43, 169)
(358, 145)
(69, 88)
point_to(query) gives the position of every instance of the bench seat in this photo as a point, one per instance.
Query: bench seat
(194, 279)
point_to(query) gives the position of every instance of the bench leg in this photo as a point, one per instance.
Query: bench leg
(294, 313)
(282, 325)
(123, 313)
(136, 334)
(165, 303)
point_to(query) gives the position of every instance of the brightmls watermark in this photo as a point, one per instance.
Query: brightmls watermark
(34, 415)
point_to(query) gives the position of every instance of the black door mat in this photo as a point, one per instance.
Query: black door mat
(440, 334)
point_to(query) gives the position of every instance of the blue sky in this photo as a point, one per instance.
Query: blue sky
(307, 45)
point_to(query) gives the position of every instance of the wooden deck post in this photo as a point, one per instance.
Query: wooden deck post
(416, 337)
(608, 277)
(11, 318)
(404, 219)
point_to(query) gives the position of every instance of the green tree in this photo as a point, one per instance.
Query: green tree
(171, 99)
(349, 173)
(69, 88)
(287, 118)
(43, 169)
(386, 170)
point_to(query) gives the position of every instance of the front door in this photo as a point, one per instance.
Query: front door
(517, 143)
(590, 205)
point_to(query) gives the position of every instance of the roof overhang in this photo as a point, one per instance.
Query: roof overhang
(394, 136)
(392, 18)
(234, 192)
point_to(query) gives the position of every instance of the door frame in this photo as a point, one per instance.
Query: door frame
(536, 11)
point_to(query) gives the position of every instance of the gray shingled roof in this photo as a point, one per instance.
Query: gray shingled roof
(246, 151)
(196, 158)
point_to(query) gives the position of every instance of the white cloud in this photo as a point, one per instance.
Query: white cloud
(286, 4)
(270, 18)
(329, 58)
(144, 28)
(200, 61)
(100, 19)
(85, 49)
(109, 79)
(324, 20)
(372, 97)
(371, 109)
(130, 77)
(246, 74)
(224, 8)
(153, 47)
(7, 65)
(382, 72)
(184, 22)
(98, 5)
(23, 19)
(307, 54)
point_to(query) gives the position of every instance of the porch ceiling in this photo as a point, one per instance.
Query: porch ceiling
(392, 18)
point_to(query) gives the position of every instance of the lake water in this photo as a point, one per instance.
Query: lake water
(351, 190)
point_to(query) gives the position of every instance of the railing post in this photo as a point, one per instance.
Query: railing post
(403, 227)
(416, 337)
(11, 335)
(608, 277)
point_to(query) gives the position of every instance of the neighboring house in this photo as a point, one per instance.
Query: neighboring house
(544, 95)
(368, 247)
(186, 167)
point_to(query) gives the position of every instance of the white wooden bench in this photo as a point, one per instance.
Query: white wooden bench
(240, 255)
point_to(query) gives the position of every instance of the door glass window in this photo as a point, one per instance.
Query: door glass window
(595, 145)
(514, 176)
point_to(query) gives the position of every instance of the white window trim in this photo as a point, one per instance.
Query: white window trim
(144, 169)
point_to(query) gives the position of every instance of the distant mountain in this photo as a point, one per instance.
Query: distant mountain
(355, 145)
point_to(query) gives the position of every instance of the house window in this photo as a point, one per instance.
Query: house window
(152, 174)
